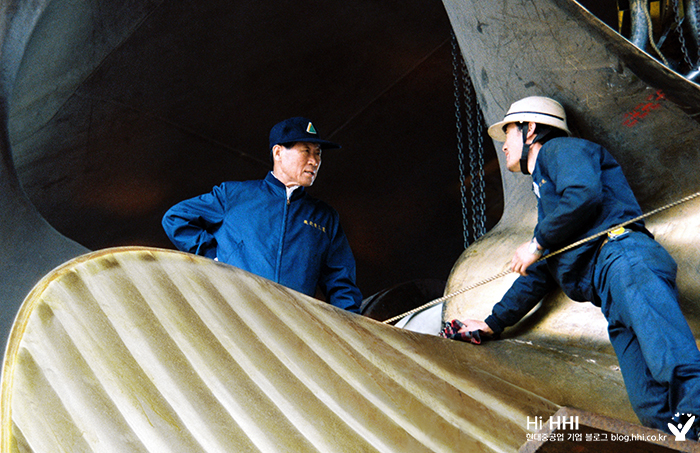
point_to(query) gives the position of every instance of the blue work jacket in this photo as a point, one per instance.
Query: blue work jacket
(297, 242)
(580, 190)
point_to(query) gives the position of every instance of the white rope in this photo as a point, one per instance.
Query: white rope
(562, 250)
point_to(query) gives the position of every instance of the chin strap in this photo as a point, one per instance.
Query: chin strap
(526, 146)
(526, 151)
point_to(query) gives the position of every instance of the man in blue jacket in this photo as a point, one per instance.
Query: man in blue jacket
(581, 190)
(273, 227)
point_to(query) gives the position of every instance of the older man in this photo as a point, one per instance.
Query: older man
(273, 227)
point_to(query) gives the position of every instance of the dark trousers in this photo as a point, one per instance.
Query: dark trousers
(635, 279)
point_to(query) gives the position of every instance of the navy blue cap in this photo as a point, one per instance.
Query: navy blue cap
(298, 129)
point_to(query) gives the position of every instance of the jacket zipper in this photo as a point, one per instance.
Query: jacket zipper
(278, 267)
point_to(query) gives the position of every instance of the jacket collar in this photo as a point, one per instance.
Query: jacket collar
(278, 188)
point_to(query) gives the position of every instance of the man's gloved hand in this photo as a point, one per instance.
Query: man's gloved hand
(451, 330)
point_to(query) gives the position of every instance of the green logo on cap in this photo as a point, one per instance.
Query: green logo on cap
(310, 129)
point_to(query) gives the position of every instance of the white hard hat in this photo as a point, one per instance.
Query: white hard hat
(535, 109)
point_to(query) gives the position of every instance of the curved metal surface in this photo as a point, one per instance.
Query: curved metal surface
(30, 246)
(616, 95)
(121, 109)
(146, 350)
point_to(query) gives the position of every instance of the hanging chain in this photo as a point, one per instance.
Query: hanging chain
(456, 58)
(501, 274)
(476, 156)
(481, 204)
(473, 176)
(679, 29)
(679, 19)
(473, 123)
(476, 151)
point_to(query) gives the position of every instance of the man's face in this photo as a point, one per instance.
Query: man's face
(297, 165)
(513, 147)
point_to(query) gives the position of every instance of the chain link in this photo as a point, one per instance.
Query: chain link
(476, 154)
(679, 18)
(474, 123)
(679, 30)
(456, 58)
(473, 174)
(469, 111)
(481, 204)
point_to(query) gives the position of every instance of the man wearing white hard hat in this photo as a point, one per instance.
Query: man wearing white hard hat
(580, 191)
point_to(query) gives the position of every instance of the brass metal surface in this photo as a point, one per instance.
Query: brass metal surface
(147, 350)
(141, 350)
(615, 95)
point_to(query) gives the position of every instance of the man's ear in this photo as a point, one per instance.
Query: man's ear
(531, 131)
(276, 150)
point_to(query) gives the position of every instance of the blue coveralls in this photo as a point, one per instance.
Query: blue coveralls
(297, 242)
(581, 190)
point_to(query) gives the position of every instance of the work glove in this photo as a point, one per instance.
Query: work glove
(451, 330)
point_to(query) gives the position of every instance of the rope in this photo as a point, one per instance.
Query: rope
(647, 16)
(557, 252)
